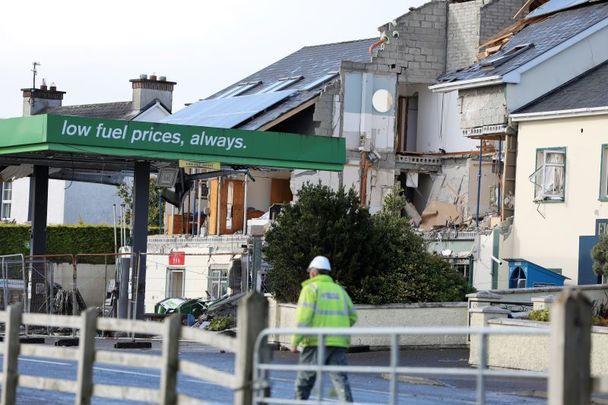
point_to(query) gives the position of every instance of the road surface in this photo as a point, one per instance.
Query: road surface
(368, 388)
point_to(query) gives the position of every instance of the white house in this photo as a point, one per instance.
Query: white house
(71, 202)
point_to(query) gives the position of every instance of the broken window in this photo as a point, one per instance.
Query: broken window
(549, 178)
(175, 282)
(604, 174)
(218, 282)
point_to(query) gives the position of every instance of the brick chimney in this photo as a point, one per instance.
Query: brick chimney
(36, 101)
(148, 89)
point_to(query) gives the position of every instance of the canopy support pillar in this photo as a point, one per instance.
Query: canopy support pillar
(139, 237)
(39, 193)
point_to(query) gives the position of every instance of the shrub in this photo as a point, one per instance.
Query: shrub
(379, 259)
(541, 315)
(221, 323)
(62, 239)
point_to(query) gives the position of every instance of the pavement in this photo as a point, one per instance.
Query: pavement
(367, 388)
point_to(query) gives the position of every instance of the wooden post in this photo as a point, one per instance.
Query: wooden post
(570, 349)
(252, 318)
(170, 360)
(86, 357)
(11, 355)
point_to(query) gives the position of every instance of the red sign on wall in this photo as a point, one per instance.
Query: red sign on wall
(177, 258)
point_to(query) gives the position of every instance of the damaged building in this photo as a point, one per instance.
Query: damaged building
(375, 94)
(503, 98)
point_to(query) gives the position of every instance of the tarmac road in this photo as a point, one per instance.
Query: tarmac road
(368, 388)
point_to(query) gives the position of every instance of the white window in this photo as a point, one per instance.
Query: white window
(549, 178)
(175, 282)
(218, 282)
(7, 197)
(604, 174)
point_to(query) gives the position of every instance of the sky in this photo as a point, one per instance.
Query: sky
(90, 49)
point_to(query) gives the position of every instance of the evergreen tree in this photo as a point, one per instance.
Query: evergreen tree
(379, 259)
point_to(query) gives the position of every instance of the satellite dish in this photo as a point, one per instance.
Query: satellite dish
(382, 100)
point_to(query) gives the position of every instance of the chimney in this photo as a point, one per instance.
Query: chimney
(148, 89)
(36, 101)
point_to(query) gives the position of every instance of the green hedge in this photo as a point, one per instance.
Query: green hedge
(60, 239)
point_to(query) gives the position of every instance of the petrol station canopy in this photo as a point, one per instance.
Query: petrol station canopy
(114, 145)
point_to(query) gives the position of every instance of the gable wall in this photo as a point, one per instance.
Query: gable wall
(420, 48)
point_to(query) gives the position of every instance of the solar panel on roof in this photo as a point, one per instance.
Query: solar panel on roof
(553, 6)
(226, 112)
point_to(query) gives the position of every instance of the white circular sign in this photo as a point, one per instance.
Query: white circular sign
(382, 100)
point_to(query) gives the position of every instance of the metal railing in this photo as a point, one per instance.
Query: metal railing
(261, 369)
(249, 324)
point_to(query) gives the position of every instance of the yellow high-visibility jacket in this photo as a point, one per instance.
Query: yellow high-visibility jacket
(323, 303)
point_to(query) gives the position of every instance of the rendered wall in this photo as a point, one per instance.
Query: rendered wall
(482, 273)
(438, 123)
(548, 233)
(89, 203)
(532, 352)
(395, 315)
(201, 254)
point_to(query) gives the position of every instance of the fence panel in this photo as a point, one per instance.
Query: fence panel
(169, 363)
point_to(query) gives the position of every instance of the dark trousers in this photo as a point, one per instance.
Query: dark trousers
(334, 356)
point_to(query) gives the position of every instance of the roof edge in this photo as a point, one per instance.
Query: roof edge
(467, 84)
(571, 113)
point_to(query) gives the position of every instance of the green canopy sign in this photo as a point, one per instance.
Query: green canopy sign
(155, 141)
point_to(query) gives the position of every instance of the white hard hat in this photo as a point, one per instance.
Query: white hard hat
(320, 263)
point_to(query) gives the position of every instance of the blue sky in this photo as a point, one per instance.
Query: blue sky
(92, 49)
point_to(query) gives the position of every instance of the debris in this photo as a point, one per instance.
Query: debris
(411, 212)
(438, 214)
(64, 299)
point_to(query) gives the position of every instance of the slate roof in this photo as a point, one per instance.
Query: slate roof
(585, 91)
(312, 63)
(116, 110)
(544, 35)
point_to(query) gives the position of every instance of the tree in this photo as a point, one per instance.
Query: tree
(599, 254)
(378, 259)
(125, 192)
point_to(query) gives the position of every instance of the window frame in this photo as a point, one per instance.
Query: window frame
(222, 281)
(6, 202)
(542, 197)
(169, 283)
(603, 192)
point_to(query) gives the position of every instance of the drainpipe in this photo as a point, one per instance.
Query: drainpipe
(383, 39)
(245, 183)
(499, 177)
(364, 168)
(479, 183)
(219, 206)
